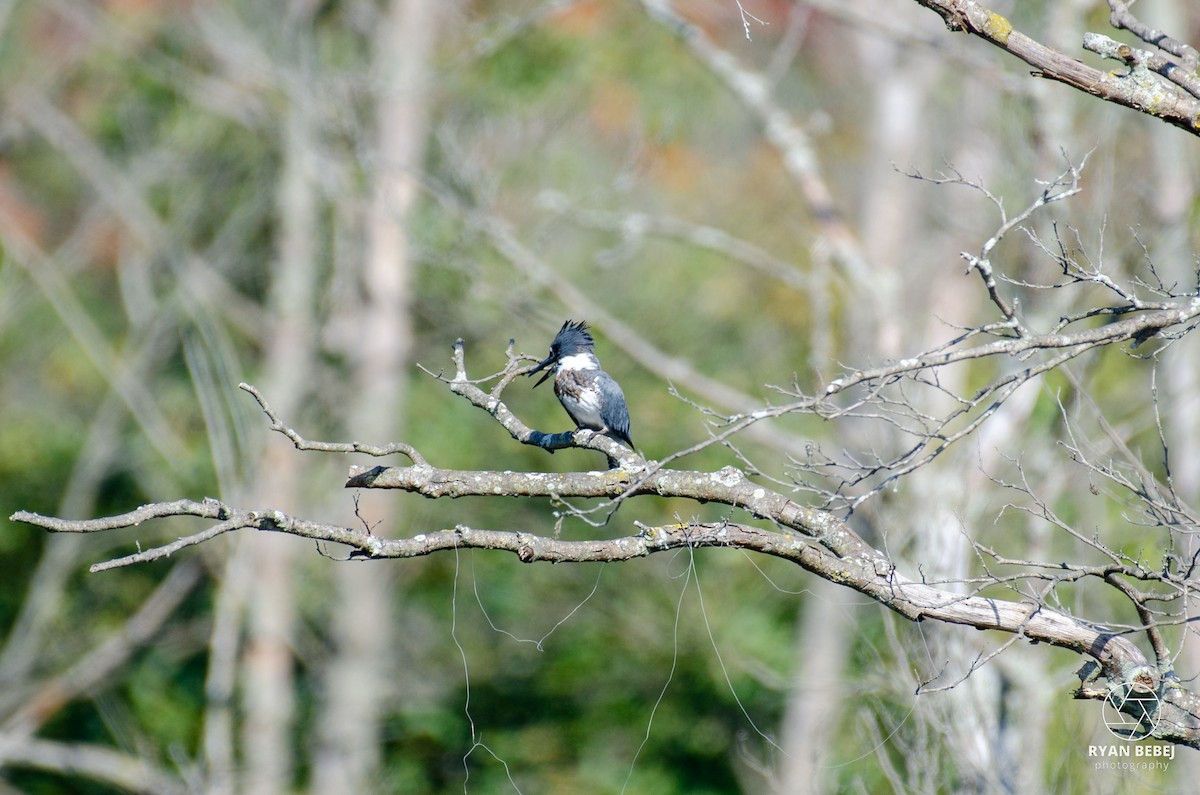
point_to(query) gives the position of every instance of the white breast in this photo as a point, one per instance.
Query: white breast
(578, 361)
(584, 408)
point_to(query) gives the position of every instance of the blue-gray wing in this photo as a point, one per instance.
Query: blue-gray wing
(613, 411)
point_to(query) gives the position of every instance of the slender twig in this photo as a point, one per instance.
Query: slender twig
(301, 443)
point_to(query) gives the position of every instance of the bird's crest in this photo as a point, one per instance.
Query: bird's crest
(573, 337)
(572, 340)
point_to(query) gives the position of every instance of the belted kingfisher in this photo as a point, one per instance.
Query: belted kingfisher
(591, 397)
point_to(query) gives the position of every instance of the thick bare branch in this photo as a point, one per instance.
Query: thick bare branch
(1139, 89)
(821, 544)
(1142, 61)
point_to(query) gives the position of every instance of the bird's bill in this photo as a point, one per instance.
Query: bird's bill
(541, 366)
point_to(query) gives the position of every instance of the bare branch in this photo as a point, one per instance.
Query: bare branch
(1123, 19)
(1161, 654)
(1141, 61)
(1062, 187)
(828, 548)
(1140, 89)
(301, 443)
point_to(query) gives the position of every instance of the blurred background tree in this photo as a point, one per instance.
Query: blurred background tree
(317, 197)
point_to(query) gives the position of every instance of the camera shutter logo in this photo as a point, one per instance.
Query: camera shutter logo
(1129, 713)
